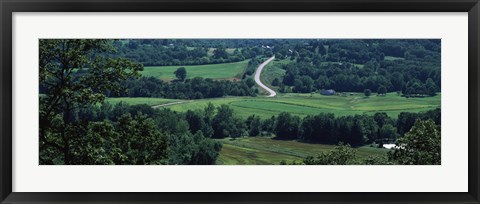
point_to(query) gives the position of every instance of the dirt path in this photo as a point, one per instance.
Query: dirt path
(168, 104)
(257, 77)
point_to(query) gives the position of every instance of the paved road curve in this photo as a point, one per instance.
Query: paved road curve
(257, 77)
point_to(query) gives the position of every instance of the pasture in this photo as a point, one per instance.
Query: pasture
(213, 71)
(136, 101)
(310, 104)
(266, 151)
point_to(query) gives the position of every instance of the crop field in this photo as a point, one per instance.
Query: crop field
(308, 104)
(214, 71)
(265, 151)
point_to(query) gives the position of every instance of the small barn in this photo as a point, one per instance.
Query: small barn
(328, 92)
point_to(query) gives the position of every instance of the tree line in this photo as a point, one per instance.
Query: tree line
(325, 128)
(419, 146)
(158, 52)
(195, 88)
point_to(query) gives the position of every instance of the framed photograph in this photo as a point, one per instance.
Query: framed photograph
(240, 101)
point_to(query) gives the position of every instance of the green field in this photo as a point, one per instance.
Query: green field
(214, 71)
(261, 150)
(307, 104)
(391, 58)
(136, 101)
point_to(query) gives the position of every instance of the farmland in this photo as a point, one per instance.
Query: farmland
(205, 102)
(307, 104)
(137, 101)
(265, 151)
(213, 71)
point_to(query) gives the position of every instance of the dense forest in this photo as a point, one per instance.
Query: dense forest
(77, 125)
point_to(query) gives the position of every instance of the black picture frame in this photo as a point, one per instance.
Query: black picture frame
(7, 7)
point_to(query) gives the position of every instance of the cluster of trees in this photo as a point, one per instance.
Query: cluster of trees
(325, 128)
(140, 128)
(412, 66)
(415, 88)
(195, 88)
(354, 130)
(420, 146)
(252, 66)
(164, 52)
(74, 130)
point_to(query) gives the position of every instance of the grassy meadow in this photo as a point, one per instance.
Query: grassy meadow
(136, 101)
(307, 104)
(265, 151)
(213, 71)
(302, 104)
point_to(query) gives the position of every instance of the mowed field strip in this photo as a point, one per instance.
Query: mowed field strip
(213, 71)
(265, 151)
(301, 104)
(307, 104)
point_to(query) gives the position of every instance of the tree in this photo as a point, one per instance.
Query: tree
(319, 128)
(181, 73)
(382, 90)
(431, 88)
(193, 149)
(405, 122)
(249, 82)
(195, 121)
(370, 128)
(220, 53)
(140, 142)
(419, 146)
(74, 74)
(276, 82)
(388, 133)
(226, 124)
(254, 125)
(367, 92)
(287, 126)
(341, 155)
(303, 84)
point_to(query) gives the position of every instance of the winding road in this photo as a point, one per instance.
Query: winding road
(257, 77)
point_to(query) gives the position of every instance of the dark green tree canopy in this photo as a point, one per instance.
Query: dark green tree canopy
(419, 146)
(367, 92)
(181, 73)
